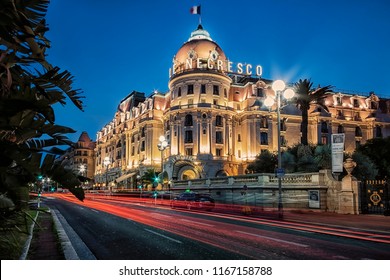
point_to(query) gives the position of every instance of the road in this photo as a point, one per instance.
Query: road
(125, 228)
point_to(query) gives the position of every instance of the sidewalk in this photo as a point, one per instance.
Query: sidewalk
(45, 244)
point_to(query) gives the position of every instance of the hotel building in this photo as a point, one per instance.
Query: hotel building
(215, 122)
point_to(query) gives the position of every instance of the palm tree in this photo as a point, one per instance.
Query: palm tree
(29, 87)
(305, 95)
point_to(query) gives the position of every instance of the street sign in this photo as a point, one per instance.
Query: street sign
(280, 172)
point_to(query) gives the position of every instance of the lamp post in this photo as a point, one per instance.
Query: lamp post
(162, 145)
(106, 162)
(279, 87)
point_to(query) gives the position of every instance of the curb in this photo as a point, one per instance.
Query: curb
(66, 244)
(27, 244)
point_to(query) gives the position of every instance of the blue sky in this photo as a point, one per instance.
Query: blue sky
(115, 47)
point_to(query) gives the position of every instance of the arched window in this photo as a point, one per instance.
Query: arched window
(188, 120)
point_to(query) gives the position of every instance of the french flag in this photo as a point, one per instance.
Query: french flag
(195, 10)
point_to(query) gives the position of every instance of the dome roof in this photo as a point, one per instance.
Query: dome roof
(199, 45)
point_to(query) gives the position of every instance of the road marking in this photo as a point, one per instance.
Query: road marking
(96, 211)
(162, 235)
(199, 223)
(274, 239)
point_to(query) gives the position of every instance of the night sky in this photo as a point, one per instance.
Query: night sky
(115, 47)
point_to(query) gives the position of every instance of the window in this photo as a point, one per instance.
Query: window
(283, 141)
(215, 101)
(356, 116)
(189, 152)
(339, 101)
(188, 120)
(324, 139)
(202, 88)
(190, 89)
(340, 129)
(264, 138)
(263, 122)
(215, 90)
(355, 103)
(283, 125)
(132, 150)
(218, 137)
(218, 120)
(260, 92)
(179, 92)
(358, 132)
(143, 146)
(188, 136)
(218, 152)
(324, 127)
(239, 137)
(225, 92)
(143, 132)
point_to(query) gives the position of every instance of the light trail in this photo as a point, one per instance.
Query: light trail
(228, 236)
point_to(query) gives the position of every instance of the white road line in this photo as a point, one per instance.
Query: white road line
(199, 223)
(96, 211)
(162, 235)
(274, 239)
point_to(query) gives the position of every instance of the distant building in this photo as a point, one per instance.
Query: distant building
(215, 121)
(81, 158)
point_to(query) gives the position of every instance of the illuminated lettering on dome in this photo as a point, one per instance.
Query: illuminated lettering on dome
(219, 65)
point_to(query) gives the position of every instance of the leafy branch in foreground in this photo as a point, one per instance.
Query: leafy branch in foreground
(29, 87)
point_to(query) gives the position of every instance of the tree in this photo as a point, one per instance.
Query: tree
(365, 168)
(29, 87)
(378, 150)
(305, 95)
(323, 156)
(265, 162)
(150, 177)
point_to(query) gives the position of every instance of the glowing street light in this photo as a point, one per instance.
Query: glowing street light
(280, 88)
(162, 145)
(106, 163)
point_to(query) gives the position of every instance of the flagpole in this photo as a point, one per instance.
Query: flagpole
(200, 19)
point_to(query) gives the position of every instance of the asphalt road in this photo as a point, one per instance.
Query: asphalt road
(123, 229)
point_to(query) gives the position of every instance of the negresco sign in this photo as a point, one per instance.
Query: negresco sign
(219, 65)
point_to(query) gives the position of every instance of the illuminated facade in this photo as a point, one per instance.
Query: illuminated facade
(215, 122)
(81, 157)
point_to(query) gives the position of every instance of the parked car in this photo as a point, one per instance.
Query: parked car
(193, 200)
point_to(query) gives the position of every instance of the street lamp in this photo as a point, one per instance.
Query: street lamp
(279, 87)
(162, 145)
(106, 162)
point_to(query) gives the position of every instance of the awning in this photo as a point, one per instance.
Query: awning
(124, 177)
